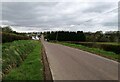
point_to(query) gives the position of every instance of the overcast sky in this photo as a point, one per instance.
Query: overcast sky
(69, 16)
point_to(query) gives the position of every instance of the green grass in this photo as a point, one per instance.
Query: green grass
(30, 69)
(14, 53)
(97, 51)
(109, 43)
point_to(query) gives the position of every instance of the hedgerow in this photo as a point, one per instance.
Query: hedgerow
(106, 47)
(9, 37)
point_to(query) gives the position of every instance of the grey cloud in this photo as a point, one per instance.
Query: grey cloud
(99, 7)
(48, 15)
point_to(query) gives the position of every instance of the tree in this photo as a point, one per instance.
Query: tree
(7, 29)
(66, 36)
(0, 28)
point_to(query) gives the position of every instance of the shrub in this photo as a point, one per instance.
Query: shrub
(9, 37)
(106, 47)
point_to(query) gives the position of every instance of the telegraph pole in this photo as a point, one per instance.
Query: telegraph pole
(56, 36)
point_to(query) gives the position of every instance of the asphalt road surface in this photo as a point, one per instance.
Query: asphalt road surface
(68, 63)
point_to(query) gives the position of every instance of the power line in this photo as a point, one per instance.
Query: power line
(78, 24)
(100, 15)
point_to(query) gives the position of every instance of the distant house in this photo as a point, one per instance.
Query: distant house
(35, 37)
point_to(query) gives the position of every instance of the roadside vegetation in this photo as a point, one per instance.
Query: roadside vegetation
(97, 51)
(107, 46)
(8, 35)
(22, 60)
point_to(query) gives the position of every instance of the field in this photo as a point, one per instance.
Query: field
(23, 58)
(97, 51)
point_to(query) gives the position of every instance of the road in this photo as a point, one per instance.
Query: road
(68, 63)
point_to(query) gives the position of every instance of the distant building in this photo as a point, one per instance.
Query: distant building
(35, 37)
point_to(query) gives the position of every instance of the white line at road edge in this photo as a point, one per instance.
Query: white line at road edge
(93, 54)
(82, 51)
(49, 65)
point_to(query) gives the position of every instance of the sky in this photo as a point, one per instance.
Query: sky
(55, 15)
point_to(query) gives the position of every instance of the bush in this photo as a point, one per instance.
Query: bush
(9, 37)
(113, 48)
(106, 47)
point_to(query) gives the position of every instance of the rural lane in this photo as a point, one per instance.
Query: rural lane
(68, 63)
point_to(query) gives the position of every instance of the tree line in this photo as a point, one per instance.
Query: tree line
(99, 36)
(65, 36)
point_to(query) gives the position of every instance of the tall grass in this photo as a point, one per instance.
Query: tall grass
(31, 68)
(27, 54)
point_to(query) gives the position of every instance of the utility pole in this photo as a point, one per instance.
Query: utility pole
(56, 36)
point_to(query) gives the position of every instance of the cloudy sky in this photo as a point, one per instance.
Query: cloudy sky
(52, 16)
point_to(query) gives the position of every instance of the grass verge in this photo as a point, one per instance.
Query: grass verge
(97, 51)
(30, 69)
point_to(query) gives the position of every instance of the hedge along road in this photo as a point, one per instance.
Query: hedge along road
(68, 63)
